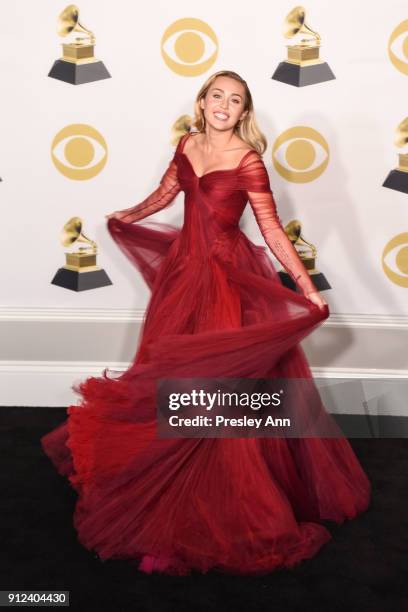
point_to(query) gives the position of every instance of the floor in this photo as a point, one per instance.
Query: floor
(364, 566)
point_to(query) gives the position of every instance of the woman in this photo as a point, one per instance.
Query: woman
(217, 309)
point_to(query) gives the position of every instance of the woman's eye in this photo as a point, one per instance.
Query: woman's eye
(235, 100)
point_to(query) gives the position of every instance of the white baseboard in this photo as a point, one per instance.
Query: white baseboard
(42, 383)
(57, 313)
(48, 384)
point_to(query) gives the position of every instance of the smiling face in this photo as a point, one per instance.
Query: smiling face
(224, 103)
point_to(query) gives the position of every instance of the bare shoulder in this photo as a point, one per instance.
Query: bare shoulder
(183, 140)
(249, 156)
(240, 144)
(192, 139)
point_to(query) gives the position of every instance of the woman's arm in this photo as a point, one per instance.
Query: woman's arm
(160, 198)
(264, 208)
(254, 180)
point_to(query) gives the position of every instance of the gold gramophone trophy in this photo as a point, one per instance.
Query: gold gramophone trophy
(303, 65)
(307, 253)
(78, 64)
(398, 178)
(80, 271)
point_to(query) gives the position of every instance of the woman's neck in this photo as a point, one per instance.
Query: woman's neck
(217, 140)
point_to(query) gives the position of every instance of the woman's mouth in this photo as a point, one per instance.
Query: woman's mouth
(221, 116)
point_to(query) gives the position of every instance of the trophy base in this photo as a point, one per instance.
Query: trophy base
(319, 280)
(301, 76)
(77, 74)
(81, 281)
(398, 180)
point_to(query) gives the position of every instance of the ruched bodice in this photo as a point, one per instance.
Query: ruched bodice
(214, 204)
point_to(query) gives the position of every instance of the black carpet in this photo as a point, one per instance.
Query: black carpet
(364, 567)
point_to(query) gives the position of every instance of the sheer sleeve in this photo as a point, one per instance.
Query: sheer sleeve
(254, 180)
(160, 198)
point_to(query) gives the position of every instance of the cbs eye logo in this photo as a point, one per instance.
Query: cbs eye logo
(189, 47)
(395, 260)
(300, 154)
(398, 47)
(79, 152)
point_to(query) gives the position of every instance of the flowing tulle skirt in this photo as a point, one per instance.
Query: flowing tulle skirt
(237, 505)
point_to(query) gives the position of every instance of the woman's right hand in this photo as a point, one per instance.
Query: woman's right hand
(118, 214)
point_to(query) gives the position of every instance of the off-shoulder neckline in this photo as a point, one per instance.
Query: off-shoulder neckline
(234, 169)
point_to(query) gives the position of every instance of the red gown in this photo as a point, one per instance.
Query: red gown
(217, 308)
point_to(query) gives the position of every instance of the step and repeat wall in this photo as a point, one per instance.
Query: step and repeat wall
(90, 93)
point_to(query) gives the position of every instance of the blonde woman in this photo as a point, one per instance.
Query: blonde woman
(242, 505)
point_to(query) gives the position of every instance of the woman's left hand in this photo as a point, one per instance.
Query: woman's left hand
(317, 299)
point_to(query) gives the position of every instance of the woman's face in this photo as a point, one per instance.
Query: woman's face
(224, 103)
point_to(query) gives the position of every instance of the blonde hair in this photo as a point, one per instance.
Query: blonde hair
(247, 129)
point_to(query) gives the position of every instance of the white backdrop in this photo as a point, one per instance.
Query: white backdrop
(346, 212)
